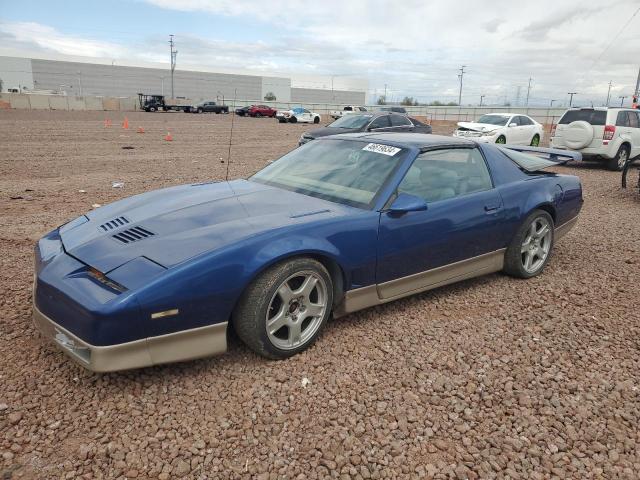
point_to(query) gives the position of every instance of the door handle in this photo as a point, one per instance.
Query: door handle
(489, 209)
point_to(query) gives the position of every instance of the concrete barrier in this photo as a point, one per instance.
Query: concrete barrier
(93, 103)
(39, 102)
(76, 103)
(58, 103)
(111, 104)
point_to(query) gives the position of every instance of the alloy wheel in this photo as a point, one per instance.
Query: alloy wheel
(536, 245)
(622, 158)
(296, 310)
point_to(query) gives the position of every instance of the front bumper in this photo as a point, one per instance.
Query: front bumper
(173, 347)
(477, 138)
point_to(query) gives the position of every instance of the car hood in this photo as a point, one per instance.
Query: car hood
(172, 225)
(479, 127)
(326, 131)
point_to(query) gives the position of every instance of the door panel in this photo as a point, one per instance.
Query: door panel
(463, 221)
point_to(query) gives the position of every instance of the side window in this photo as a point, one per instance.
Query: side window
(633, 119)
(380, 122)
(515, 119)
(448, 173)
(348, 109)
(400, 121)
(525, 120)
(622, 120)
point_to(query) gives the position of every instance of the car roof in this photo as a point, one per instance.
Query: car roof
(410, 140)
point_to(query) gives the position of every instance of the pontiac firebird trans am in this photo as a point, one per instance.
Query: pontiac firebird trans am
(335, 226)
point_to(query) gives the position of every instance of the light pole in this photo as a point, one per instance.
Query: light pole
(622, 97)
(481, 97)
(551, 104)
(571, 94)
(80, 82)
(174, 54)
(609, 93)
(528, 90)
(460, 76)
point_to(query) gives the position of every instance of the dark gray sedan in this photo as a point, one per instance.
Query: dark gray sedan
(368, 122)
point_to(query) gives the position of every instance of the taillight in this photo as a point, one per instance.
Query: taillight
(553, 130)
(609, 131)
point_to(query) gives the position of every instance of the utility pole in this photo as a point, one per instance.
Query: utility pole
(385, 93)
(571, 97)
(609, 93)
(460, 75)
(174, 54)
(622, 97)
(528, 90)
(551, 105)
(518, 95)
(634, 103)
(481, 97)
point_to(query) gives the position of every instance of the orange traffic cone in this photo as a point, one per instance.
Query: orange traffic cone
(168, 137)
(125, 124)
(140, 130)
(107, 123)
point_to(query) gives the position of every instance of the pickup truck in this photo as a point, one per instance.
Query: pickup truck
(347, 110)
(209, 106)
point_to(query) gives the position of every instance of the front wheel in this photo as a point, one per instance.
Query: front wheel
(535, 141)
(152, 109)
(293, 120)
(316, 120)
(618, 162)
(501, 139)
(283, 311)
(530, 248)
(200, 110)
(259, 115)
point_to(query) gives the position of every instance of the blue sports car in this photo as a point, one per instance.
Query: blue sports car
(340, 224)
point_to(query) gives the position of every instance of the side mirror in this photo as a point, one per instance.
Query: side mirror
(513, 124)
(407, 203)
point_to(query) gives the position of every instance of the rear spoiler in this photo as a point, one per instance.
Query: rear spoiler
(553, 154)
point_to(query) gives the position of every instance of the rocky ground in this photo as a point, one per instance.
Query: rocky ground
(490, 378)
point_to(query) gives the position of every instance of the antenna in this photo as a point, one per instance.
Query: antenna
(235, 93)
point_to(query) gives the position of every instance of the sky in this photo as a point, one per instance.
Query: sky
(404, 47)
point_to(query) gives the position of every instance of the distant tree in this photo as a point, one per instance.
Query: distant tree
(408, 101)
(382, 100)
(452, 104)
(270, 97)
(416, 103)
(436, 103)
(0, 85)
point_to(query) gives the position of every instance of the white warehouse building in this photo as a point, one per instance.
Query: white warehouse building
(107, 79)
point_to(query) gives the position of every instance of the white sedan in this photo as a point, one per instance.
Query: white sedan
(298, 114)
(510, 128)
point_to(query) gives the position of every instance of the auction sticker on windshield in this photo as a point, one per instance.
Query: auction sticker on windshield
(383, 149)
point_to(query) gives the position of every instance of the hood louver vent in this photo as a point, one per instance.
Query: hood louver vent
(133, 234)
(113, 224)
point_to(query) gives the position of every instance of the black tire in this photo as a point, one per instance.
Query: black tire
(293, 120)
(259, 115)
(535, 141)
(282, 120)
(501, 139)
(200, 110)
(617, 163)
(249, 318)
(151, 109)
(316, 120)
(513, 258)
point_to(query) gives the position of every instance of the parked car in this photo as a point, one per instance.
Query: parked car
(261, 111)
(343, 223)
(394, 109)
(242, 111)
(511, 128)
(210, 106)
(298, 114)
(347, 110)
(611, 135)
(368, 122)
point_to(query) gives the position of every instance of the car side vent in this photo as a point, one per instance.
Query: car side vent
(133, 234)
(113, 224)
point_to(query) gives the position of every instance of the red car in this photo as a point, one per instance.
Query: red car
(261, 111)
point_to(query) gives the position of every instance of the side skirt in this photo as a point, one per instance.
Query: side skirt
(365, 297)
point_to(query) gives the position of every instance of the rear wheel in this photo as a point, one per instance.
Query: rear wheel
(316, 120)
(530, 248)
(258, 115)
(501, 139)
(535, 141)
(618, 162)
(293, 120)
(200, 110)
(283, 311)
(152, 109)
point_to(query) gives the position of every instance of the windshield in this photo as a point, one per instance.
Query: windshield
(342, 171)
(297, 110)
(594, 117)
(499, 120)
(528, 161)
(351, 121)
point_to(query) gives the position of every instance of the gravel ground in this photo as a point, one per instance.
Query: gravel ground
(490, 378)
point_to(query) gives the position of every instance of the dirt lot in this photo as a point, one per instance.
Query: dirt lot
(490, 378)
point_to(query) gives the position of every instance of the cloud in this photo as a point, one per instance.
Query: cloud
(414, 47)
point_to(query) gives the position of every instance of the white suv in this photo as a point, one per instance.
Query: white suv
(610, 134)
